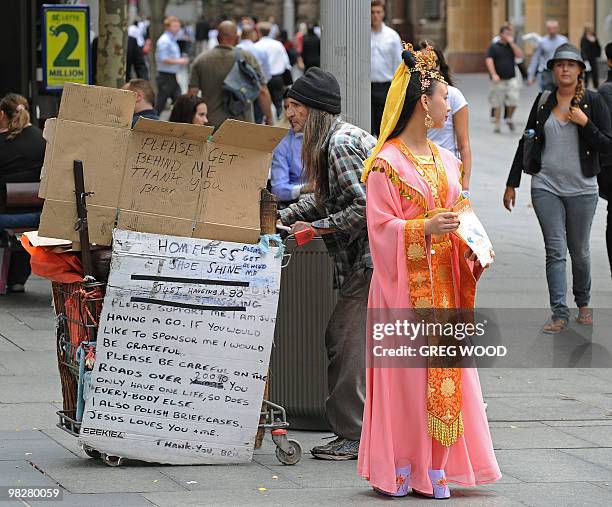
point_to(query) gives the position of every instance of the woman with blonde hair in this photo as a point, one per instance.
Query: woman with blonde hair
(22, 150)
(566, 131)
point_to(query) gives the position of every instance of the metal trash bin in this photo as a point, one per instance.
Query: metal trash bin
(298, 366)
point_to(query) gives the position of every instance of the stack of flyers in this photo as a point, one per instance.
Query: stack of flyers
(473, 232)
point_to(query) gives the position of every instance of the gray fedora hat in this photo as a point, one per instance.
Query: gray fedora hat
(566, 51)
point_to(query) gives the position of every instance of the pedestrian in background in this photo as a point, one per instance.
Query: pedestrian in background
(286, 172)
(22, 150)
(591, 51)
(311, 50)
(386, 55)
(169, 62)
(455, 134)
(210, 69)
(145, 98)
(604, 178)
(333, 153)
(567, 129)
(545, 50)
(135, 63)
(501, 64)
(289, 47)
(280, 68)
(201, 35)
(189, 109)
(248, 38)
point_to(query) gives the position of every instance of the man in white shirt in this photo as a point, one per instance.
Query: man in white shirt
(544, 52)
(386, 49)
(278, 64)
(247, 43)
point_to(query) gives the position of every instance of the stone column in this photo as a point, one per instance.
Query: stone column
(468, 34)
(499, 15)
(580, 13)
(289, 17)
(345, 52)
(537, 12)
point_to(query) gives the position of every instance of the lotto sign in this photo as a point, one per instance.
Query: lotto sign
(65, 41)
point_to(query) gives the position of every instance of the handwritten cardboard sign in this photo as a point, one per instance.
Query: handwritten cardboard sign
(183, 349)
(160, 177)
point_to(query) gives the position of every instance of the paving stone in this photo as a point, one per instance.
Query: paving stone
(97, 500)
(248, 476)
(21, 473)
(92, 476)
(38, 362)
(35, 448)
(599, 436)
(27, 416)
(601, 457)
(66, 440)
(559, 494)
(7, 345)
(535, 438)
(550, 465)
(314, 473)
(35, 388)
(356, 497)
(545, 407)
(22, 435)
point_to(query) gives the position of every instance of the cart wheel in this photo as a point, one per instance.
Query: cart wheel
(91, 452)
(292, 457)
(111, 461)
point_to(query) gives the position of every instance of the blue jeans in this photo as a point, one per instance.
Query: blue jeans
(19, 220)
(19, 267)
(566, 225)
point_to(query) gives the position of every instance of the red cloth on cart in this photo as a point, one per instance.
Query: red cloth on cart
(57, 267)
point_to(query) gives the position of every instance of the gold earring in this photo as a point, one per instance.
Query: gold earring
(429, 123)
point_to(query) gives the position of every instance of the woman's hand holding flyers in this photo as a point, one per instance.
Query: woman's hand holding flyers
(442, 223)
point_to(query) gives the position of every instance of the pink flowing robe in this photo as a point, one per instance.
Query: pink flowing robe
(394, 432)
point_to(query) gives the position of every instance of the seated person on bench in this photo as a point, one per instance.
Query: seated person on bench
(22, 150)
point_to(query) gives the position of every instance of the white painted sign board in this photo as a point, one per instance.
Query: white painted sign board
(183, 348)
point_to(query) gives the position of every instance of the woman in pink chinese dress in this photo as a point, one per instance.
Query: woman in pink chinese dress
(422, 427)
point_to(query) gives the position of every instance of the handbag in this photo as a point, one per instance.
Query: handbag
(529, 136)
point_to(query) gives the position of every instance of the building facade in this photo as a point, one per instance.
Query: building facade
(463, 27)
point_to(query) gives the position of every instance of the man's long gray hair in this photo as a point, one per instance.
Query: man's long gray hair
(317, 126)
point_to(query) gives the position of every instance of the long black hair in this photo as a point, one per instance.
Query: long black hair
(413, 95)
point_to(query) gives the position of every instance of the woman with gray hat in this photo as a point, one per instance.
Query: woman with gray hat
(567, 131)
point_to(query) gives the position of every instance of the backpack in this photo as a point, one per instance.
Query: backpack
(529, 137)
(240, 87)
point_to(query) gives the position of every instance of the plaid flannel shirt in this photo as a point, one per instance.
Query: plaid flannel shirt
(343, 208)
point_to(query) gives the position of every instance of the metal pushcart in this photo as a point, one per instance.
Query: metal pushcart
(78, 307)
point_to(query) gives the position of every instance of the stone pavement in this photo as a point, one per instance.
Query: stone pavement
(552, 428)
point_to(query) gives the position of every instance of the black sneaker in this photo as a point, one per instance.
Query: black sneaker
(340, 449)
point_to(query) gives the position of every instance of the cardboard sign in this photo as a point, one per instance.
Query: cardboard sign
(65, 43)
(160, 177)
(183, 349)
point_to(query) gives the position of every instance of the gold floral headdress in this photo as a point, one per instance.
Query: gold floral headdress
(423, 61)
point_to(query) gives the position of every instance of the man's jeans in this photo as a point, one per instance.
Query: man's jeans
(566, 224)
(19, 268)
